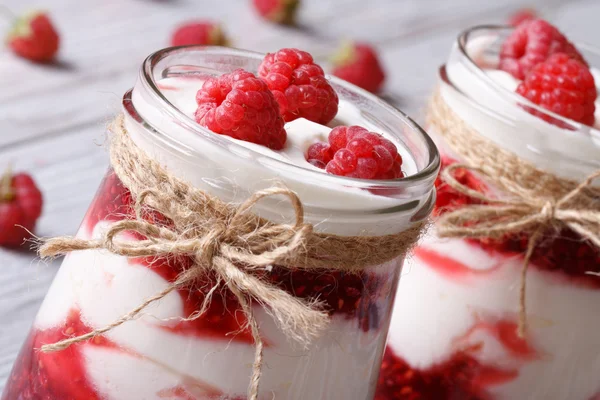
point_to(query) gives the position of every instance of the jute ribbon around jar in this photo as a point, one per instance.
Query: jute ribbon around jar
(529, 200)
(229, 242)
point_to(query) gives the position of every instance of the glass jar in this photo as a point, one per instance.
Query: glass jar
(454, 328)
(162, 356)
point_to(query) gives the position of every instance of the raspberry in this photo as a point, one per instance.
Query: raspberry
(279, 11)
(20, 207)
(358, 64)
(355, 152)
(33, 37)
(299, 85)
(199, 33)
(531, 43)
(319, 154)
(522, 15)
(240, 105)
(562, 85)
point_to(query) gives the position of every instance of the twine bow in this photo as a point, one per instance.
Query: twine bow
(220, 251)
(228, 241)
(536, 201)
(521, 211)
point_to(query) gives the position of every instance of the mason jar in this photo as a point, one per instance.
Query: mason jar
(454, 331)
(163, 354)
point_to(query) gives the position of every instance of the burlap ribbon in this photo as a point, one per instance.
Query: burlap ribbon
(229, 242)
(529, 200)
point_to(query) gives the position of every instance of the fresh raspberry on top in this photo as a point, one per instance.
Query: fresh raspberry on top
(240, 105)
(355, 152)
(299, 85)
(531, 43)
(20, 207)
(199, 33)
(279, 11)
(34, 37)
(562, 85)
(359, 64)
(522, 15)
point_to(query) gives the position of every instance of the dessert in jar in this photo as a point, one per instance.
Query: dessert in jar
(171, 351)
(455, 331)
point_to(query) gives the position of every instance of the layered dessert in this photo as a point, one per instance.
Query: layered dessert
(171, 353)
(454, 331)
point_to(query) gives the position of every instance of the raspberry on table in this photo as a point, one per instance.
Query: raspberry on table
(562, 85)
(355, 152)
(20, 207)
(199, 33)
(34, 37)
(299, 85)
(240, 105)
(279, 11)
(359, 64)
(531, 43)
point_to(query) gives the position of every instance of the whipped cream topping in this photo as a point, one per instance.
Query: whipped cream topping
(234, 170)
(301, 133)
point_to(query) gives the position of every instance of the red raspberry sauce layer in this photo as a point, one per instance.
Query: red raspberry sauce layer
(564, 252)
(62, 375)
(461, 377)
(53, 376)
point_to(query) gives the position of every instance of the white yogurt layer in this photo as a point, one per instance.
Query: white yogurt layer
(434, 311)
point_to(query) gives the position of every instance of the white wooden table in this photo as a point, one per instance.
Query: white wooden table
(52, 118)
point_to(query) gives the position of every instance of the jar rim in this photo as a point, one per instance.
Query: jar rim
(425, 175)
(462, 41)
